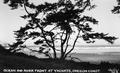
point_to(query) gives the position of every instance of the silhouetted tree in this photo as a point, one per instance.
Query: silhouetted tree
(53, 24)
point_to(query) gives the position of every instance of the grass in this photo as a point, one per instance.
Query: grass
(17, 62)
(30, 64)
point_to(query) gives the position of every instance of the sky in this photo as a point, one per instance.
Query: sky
(109, 23)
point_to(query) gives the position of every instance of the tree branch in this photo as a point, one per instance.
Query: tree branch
(67, 43)
(25, 7)
(53, 48)
(65, 38)
(73, 44)
(62, 53)
(53, 28)
(42, 31)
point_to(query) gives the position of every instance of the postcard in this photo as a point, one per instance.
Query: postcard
(59, 36)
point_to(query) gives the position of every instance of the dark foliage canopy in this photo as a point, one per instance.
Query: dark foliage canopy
(64, 16)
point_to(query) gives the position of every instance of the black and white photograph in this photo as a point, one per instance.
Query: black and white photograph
(59, 36)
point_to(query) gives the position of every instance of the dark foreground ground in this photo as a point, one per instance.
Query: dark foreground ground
(18, 64)
(21, 63)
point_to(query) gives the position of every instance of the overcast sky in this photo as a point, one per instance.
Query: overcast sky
(108, 22)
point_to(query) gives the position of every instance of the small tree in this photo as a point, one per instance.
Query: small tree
(50, 24)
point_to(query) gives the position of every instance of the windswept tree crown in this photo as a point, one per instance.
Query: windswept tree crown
(51, 24)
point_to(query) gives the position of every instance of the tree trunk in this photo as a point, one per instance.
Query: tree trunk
(55, 54)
